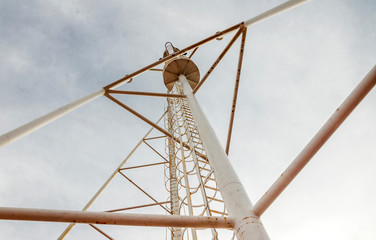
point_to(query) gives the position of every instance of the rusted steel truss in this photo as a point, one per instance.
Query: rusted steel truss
(223, 53)
(186, 154)
(101, 231)
(178, 53)
(236, 88)
(147, 194)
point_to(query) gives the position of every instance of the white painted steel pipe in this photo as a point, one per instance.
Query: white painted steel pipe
(30, 127)
(46, 215)
(317, 142)
(247, 225)
(274, 11)
(100, 190)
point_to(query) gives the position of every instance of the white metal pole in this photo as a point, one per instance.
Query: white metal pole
(274, 11)
(30, 127)
(247, 225)
(156, 220)
(196, 164)
(317, 142)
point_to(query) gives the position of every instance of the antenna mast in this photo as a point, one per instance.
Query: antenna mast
(205, 194)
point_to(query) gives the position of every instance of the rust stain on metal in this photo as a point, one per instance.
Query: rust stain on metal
(99, 222)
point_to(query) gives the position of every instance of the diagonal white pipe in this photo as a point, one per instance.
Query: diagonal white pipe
(350, 103)
(274, 11)
(30, 127)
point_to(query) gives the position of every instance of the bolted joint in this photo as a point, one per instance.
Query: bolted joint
(250, 227)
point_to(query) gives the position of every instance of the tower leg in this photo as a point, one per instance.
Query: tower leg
(247, 225)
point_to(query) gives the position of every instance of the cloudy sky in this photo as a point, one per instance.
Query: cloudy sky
(298, 67)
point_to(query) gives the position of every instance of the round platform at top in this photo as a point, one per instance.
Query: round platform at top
(176, 67)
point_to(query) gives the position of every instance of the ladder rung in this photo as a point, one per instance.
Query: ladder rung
(204, 169)
(215, 189)
(215, 199)
(203, 161)
(203, 156)
(210, 178)
(218, 212)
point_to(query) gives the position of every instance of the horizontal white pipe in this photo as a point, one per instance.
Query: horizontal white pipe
(30, 127)
(317, 142)
(46, 215)
(274, 11)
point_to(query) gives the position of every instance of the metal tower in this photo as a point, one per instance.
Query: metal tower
(206, 199)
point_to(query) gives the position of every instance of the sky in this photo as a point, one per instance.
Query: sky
(298, 67)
